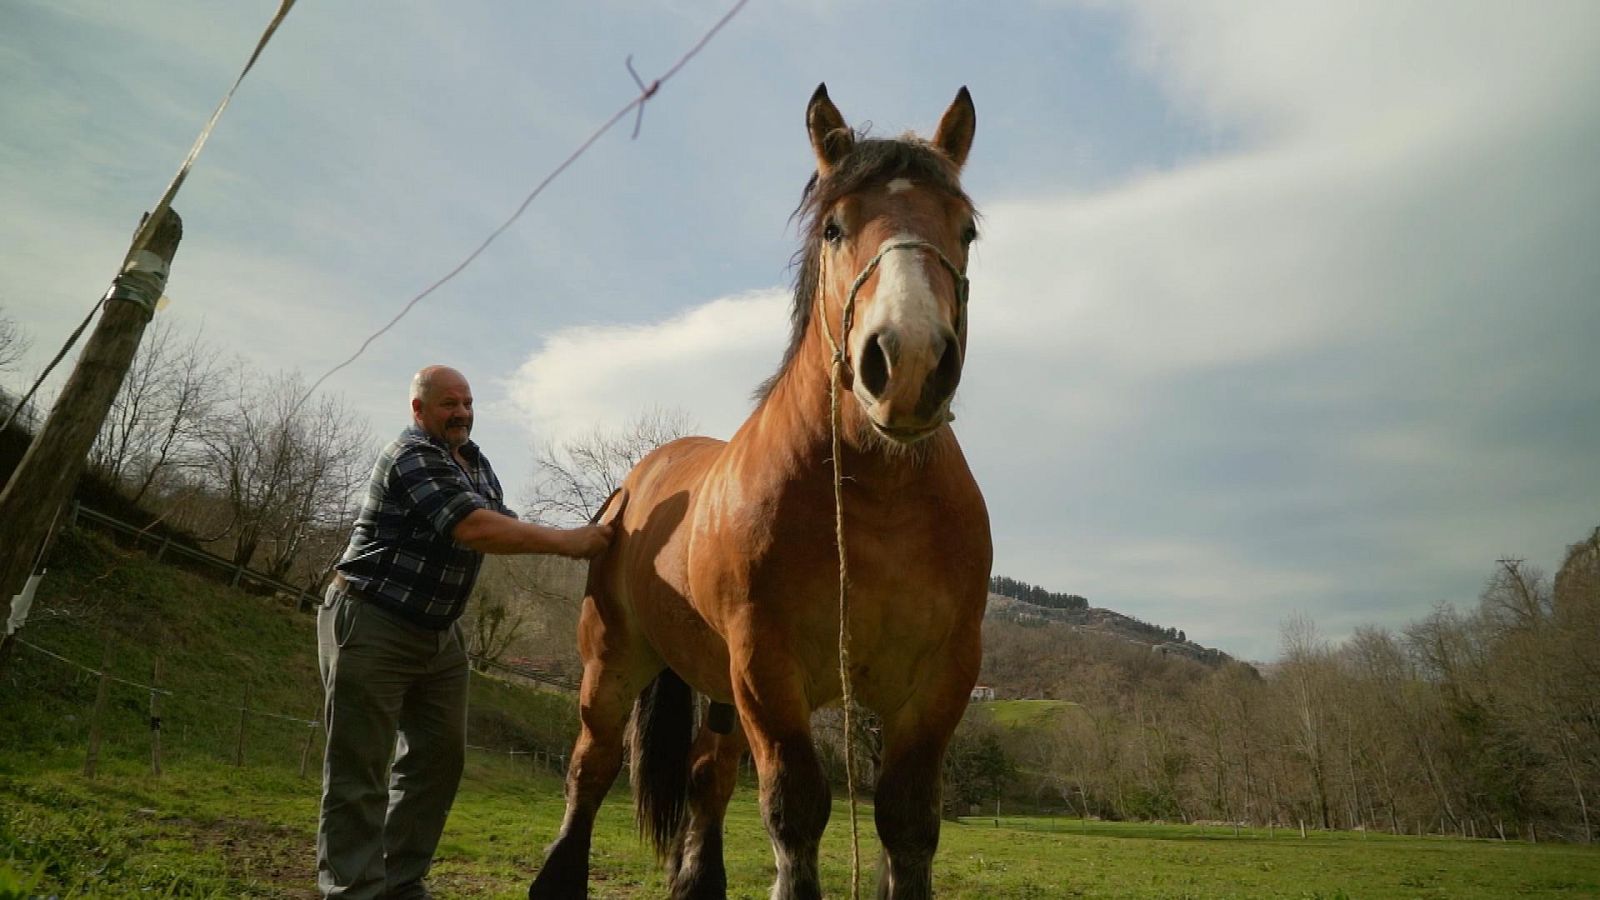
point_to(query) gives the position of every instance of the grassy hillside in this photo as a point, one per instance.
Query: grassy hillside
(206, 828)
(214, 645)
(1024, 714)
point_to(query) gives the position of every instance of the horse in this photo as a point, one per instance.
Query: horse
(723, 576)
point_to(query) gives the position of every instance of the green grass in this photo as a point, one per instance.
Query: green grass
(214, 831)
(206, 828)
(1024, 713)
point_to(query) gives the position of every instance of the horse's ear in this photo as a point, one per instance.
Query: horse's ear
(954, 136)
(831, 139)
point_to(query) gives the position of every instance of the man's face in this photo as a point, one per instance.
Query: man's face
(445, 412)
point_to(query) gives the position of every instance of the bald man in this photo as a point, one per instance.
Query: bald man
(393, 657)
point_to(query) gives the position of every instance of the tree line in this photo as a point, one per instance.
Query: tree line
(1038, 596)
(1482, 721)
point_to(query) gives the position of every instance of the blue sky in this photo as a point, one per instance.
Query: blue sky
(1280, 307)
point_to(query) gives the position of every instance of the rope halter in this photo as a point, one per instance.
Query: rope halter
(847, 315)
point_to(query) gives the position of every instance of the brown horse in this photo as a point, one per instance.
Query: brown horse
(724, 573)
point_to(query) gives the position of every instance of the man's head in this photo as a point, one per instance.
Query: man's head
(441, 404)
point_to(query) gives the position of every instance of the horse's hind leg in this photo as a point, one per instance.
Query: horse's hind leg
(695, 869)
(906, 804)
(776, 716)
(604, 702)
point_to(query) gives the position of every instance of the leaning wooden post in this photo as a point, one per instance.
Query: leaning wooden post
(244, 715)
(155, 719)
(50, 469)
(92, 761)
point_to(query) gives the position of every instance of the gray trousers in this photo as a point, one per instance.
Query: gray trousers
(384, 678)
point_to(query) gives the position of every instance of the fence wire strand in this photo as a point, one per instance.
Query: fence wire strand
(239, 707)
(646, 92)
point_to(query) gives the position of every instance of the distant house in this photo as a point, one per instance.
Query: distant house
(982, 692)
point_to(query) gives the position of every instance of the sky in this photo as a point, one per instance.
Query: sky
(1280, 308)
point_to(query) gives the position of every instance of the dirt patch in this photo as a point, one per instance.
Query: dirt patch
(268, 860)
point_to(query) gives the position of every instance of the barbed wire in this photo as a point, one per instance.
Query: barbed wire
(646, 92)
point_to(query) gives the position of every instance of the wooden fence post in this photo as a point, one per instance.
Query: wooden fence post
(244, 714)
(155, 720)
(92, 761)
(56, 458)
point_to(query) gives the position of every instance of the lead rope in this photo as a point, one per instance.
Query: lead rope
(835, 377)
(836, 372)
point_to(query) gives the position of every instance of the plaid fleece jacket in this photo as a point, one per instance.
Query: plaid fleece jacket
(401, 555)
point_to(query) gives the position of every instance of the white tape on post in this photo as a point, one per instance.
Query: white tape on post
(21, 603)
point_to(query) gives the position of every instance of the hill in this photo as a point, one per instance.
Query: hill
(1039, 652)
(1108, 622)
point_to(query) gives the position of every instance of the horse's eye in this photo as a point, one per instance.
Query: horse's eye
(831, 232)
(970, 234)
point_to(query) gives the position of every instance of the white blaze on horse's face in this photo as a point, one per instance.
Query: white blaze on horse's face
(904, 348)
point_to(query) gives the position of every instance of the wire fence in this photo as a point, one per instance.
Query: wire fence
(242, 739)
(235, 573)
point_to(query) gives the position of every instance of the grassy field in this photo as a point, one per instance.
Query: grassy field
(208, 828)
(215, 831)
(1024, 713)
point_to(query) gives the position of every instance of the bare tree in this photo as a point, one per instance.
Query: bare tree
(572, 479)
(547, 592)
(13, 343)
(493, 624)
(1304, 676)
(156, 415)
(285, 470)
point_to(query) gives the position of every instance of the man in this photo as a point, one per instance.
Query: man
(393, 658)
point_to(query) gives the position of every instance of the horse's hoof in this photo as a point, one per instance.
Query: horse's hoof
(558, 886)
(705, 885)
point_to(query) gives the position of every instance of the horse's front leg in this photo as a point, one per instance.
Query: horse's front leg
(696, 869)
(604, 702)
(795, 800)
(908, 796)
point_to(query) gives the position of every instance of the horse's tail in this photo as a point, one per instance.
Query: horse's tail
(660, 735)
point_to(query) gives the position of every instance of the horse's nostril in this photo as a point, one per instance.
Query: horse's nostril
(948, 373)
(874, 367)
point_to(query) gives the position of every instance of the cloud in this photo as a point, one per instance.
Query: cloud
(706, 361)
(1307, 355)
(1271, 381)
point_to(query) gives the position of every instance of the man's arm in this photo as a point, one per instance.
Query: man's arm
(487, 531)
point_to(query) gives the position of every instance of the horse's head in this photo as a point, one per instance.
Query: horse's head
(889, 228)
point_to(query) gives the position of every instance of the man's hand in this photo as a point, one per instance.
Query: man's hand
(587, 542)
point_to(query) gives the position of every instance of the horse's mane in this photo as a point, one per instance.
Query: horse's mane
(872, 161)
